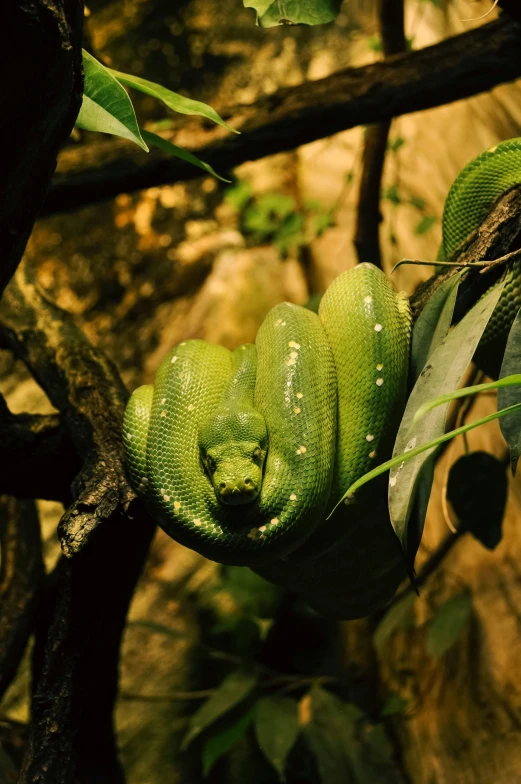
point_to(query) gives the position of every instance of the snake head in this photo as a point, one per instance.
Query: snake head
(233, 446)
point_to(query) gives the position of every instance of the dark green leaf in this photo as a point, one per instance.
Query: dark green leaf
(442, 374)
(174, 101)
(450, 620)
(394, 144)
(220, 744)
(276, 729)
(425, 224)
(399, 616)
(419, 203)
(309, 12)
(433, 324)
(233, 690)
(238, 194)
(374, 42)
(395, 705)
(178, 152)
(106, 107)
(511, 425)
(323, 221)
(477, 489)
(392, 194)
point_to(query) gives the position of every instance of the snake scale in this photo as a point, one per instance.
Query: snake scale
(243, 455)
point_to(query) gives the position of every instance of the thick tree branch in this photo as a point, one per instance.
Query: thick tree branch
(21, 578)
(38, 457)
(456, 68)
(40, 96)
(368, 218)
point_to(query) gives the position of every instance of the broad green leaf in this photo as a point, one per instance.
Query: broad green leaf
(233, 690)
(399, 616)
(178, 152)
(106, 107)
(429, 446)
(174, 101)
(221, 743)
(395, 705)
(425, 224)
(310, 12)
(508, 381)
(450, 620)
(433, 324)
(511, 426)
(276, 729)
(477, 489)
(442, 374)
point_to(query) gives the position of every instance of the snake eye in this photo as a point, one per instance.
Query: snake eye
(210, 463)
(256, 454)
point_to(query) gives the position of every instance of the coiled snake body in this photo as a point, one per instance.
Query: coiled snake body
(244, 454)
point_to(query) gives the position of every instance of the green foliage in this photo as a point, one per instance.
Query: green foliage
(425, 224)
(106, 106)
(222, 742)
(234, 689)
(309, 12)
(276, 729)
(395, 705)
(449, 622)
(510, 395)
(400, 616)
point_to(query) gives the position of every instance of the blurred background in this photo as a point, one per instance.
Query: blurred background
(205, 259)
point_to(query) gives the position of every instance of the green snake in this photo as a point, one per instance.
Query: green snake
(243, 455)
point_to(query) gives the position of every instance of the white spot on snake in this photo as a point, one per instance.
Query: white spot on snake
(378, 327)
(243, 348)
(303, 449)
(369, 437)
(177, 504)
(290, 362)
(190, 407)
(279, 321)
(392, 481)
(288, 384)
(182, 344)
(493, 149)
(372, 454)
(379, 382)
(197, 521)
(163, 401)
(274, 521)
(298, 452)
(174, 359)
(162, 490)
(300, 395)
(368, 300)
(294, 355)
(129, 436)
(292, 344)
(166, 498)
(283, 324)
(262, 528)
(163, 413)
(253, 534)
(293, 497)
(380, 367)
(296, 410)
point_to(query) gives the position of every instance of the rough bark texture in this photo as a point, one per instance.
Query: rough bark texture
(21, 580)
(456, 68)
(40, 94)
(367, 235)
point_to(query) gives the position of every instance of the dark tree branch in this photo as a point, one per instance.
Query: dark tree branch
(21, 578)
(85, 387)
(38, 457)
(40, 96)
(456, 68)
(368, 219)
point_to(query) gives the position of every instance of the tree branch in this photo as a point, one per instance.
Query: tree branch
(40, 94)
(456, 68)
(368, 217)
(21, 578)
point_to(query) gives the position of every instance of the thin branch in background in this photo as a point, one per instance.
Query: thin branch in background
(21, 579)
(367, 233)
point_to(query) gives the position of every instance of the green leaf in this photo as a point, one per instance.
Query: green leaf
(221, 743)
(374, 42)
(399, 616)
(323, 221)
(310, 12)
(106, 107)
(395, 705)
(395, 144)
(511, 425)
(442, 374)
(425, 224)
(392, 194)
(450, 620)
(477, 489)
(174, 101)
(238, 194)
(276, 729)
(433, 324)
(233, 690)
(417, 202)
(509, 381)
(178, 152)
